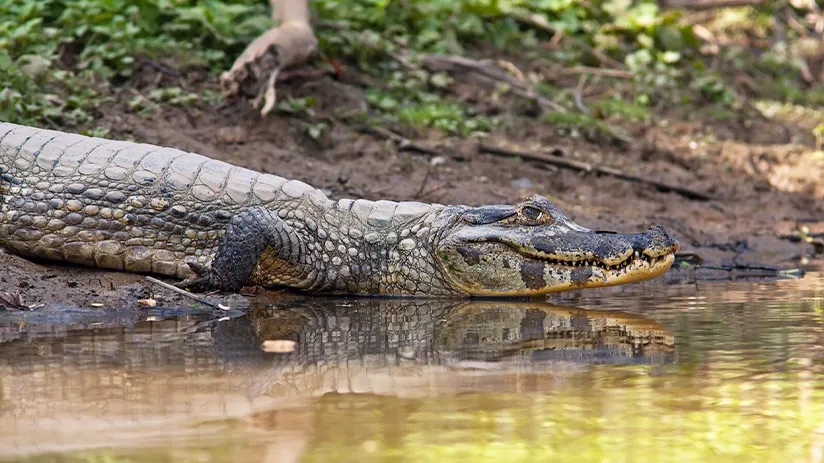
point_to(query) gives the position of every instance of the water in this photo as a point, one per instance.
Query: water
(729, 371)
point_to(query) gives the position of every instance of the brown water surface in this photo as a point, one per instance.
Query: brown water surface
(728, 371)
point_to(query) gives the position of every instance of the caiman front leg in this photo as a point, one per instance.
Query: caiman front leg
(255, 239)
(254, 73)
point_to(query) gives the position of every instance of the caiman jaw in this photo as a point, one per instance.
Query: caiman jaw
(633, 258)
(540, 274)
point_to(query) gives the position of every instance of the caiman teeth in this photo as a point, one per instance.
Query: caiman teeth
(595, 263)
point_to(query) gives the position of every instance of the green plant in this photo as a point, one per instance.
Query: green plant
(57, 57)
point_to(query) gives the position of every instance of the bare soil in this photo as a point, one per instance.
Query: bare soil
(764, 181)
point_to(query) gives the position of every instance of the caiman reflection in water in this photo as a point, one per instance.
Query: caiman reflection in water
(182, 376)
(476, 335)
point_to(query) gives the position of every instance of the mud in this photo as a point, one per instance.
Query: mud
(761, 173)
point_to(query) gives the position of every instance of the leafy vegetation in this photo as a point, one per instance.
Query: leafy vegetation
(62, 58)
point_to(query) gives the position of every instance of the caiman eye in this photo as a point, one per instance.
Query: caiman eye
(532, 214)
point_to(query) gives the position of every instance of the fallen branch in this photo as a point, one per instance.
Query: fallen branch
(586, 167)
(183, 292)
(579, 94)
(435, 188)
(617, 73)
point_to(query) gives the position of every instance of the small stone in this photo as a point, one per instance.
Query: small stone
(232, 134)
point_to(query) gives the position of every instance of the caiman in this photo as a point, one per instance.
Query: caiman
(143, 208)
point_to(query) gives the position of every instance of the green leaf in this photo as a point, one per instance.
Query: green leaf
(5, 61)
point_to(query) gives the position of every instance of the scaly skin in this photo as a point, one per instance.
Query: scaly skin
(142, 208)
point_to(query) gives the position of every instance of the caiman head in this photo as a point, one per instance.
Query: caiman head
(532, 248)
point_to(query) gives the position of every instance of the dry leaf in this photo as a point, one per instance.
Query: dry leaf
(147, 302)
(280, 346)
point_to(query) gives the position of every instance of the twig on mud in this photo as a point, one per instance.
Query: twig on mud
(12, 300)
(403, 142)
(423, 182)
(579, 97)
(182, 292)
(586, 167)
(432, 190)
(160, 67)
(617, 73)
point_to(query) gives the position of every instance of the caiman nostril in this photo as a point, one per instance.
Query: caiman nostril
(662, 236)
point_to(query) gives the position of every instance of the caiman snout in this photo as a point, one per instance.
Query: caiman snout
(604, 247)
(533, 248)
(655, 242)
